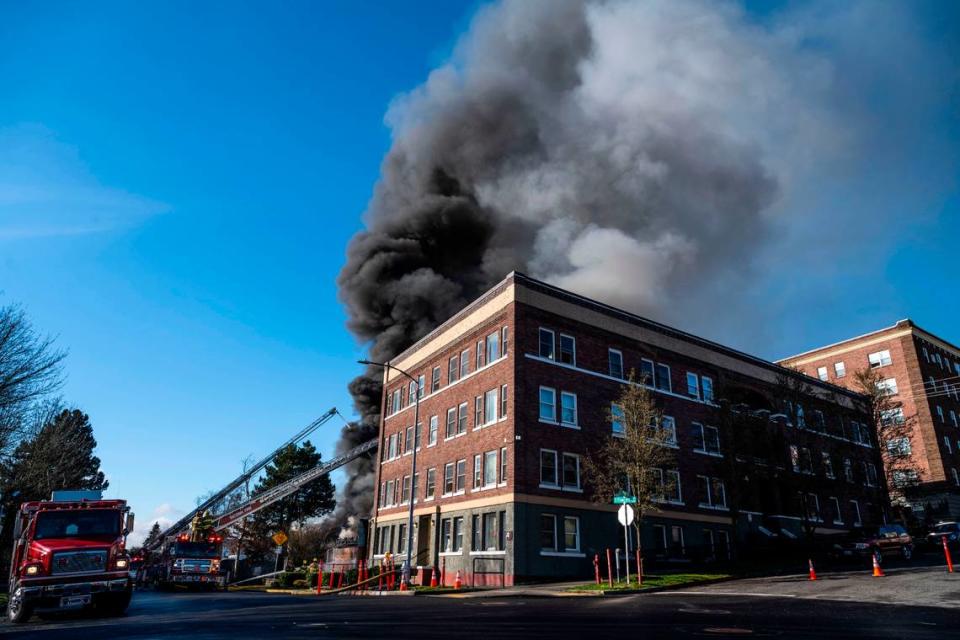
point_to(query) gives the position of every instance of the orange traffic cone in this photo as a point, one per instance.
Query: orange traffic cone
(813, 572)
(433, 577)
(456, 583)
(403, 584)
(877, 571)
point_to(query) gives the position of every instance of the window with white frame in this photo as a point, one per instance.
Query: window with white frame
(669, 427)
(421, 386)
(568, 408)
(490, 469)
(940, 413)
(477, 471)
(848, 469)
(646, 371)
(458, 534)
(870, 470)
(453, 370)
(465, 363)
(503, 465)
(435, 380)
(890, 417)
(855, 507)
(822, 373)
(616, 419)
(493, 347)
(462, 418)
(548, 532)
(668, 482)
(879, 359)
(503, 402)
(431, 483)
(661, 374)
(835, 509)
(827, 464)
(405, 492)
(571, 534)
(446, 535)
(481, 350)
(946, 443)
(547, 342)
(408, 441)
(707, 384)
(956, 477)
(504, 340)
(615, 363)
(813, 507)
(432, 431)
(713, 492)
(953, 417)
(693, 385)
(461, 475)
(448, 479)
(899, 447)
(795, 458)
(568, 349)
(548, 468)
(451, 423)
(904, 478)
(490, 407)
(571, 471)
(840, 369)
(888, 386)
(548, 404)
(412, 393)
(706, 439)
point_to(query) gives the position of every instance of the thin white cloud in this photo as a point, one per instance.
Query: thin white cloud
(47, 190)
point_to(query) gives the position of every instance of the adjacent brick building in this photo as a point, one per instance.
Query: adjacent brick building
(922, 371)
(518, 386)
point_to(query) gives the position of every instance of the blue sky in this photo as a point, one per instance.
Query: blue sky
(178, 182)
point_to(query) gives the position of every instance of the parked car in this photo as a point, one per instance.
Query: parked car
(949, 529)
(888, 540)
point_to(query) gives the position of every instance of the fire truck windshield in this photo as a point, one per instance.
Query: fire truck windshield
(196, 549)
(77, 524)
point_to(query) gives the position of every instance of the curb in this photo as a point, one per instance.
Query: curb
(672, 587)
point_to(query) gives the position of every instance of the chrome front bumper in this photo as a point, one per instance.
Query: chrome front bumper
(33, 593)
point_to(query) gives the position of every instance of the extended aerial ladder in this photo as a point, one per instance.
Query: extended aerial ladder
(281, 491)
(184, 522)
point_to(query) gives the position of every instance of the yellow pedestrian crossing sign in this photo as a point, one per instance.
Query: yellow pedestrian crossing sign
(280, 537)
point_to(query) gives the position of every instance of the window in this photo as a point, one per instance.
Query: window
(646, 371)
(504, 340)
(676, 541)
(856, 513)
(956, 477)
(870, 470)
(546, 344)
(448, 480)
(713, 492)
(493, 347)
(926, 354)
(568, 350)
(477, 412)
(706, 439)
(669, 485)
(822, 373)
(490, 469)
(548, 532)
(899, 447)
(813, 507)
(395, 401)
(432, 433)
(707, 384)
(848, 469)
(946, 443)
(889, 386)
(615, 363)
(662, 377)
(571, 471)
(953, 417)
(840, 369)
(490, 406)
(431, 483)
(616, 419)
(476, 544)
(462, 418)
(879, 359)
(669, 426)
(892, 416)
(503, 465)
(390, 498)
(801, 420)
(548, 404)
(827, 464)
(490, 540)
(568, 408)
(480, 354)
(940, 413)
(402, 538)
(477, 471)
(412, 393)
(503, 402)
(408, 441)
(693, 385)
(835, 510)
(405, 492)
(451, 423)
(806, 461)
(458, 534)
(571, 533)
(446, 535)
(904, 478)
(421, 386)
(453, 370)
(465, 363)
(461, 475)
(394, 441)
(795, 458)
(435, 380)
(548, 467)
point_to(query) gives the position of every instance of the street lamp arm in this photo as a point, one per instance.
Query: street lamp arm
(387, 365)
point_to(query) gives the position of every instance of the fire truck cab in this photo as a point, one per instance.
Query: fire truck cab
(70, 553)
(191, 562)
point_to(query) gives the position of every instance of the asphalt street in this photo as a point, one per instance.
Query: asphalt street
(667, 615)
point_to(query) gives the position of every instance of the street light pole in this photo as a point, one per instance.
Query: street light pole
(407, 564)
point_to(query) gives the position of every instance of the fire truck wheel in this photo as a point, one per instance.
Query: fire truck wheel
(18, 611)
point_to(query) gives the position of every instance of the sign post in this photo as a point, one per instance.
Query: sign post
(625, 516)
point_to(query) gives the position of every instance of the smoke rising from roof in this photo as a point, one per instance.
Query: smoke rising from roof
(637, 152)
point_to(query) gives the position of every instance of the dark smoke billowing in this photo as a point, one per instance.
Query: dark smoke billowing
(633, 151)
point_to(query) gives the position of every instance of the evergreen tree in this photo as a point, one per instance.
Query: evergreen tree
(314, 500)
(152, 535)
(60, 456)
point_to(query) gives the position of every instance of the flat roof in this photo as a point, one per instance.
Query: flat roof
(899, 324)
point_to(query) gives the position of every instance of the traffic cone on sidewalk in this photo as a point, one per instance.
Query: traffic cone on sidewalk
(433, 577)
(877, 571)
(456, 583)
(813, 572)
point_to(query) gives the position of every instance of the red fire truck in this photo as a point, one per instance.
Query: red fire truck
(191, 561)
(69, 553)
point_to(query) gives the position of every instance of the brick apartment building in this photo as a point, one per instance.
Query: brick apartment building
(922, 371)
(518, 386)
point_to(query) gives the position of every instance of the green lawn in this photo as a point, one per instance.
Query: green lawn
(651, 581)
